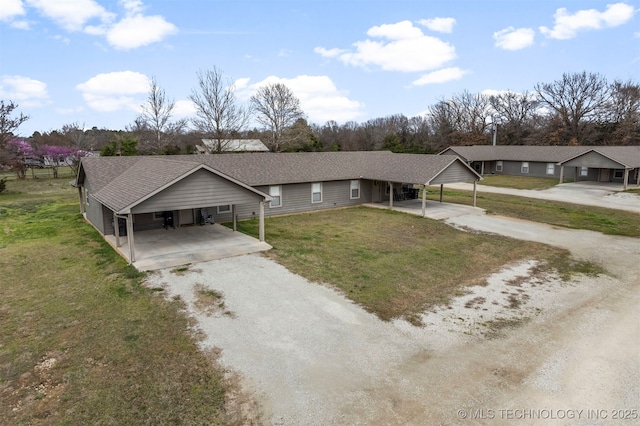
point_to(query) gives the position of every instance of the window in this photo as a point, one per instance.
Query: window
(158, 215)
(316, 192)
(618, 174)
(498, 166)
(551, 168)
(224, 209)
(525, 167)
(274, 191)
(584, 171)
(355, 189)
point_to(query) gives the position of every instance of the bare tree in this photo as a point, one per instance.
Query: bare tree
(578, 99)
(8, 124)
(277, 108)
(516, 114)
(76, 134)
(154, 125)
(219, 115)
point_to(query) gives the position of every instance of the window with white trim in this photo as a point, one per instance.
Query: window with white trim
(551, 168)
(224, 209)
(158, 215)
(525, 167)
(499, 166)
(618, 174)
(316, 192)
(274, 191)
(584, 171)
(355, 189)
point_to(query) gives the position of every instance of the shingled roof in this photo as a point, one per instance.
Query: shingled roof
(626, 155)
(118, 182)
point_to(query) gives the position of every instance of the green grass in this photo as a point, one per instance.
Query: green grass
(64, 172)
(82, 341)
(518, 182)
(599, 219)
(394, 264)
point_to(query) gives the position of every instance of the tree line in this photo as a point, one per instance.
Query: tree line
(577, 109)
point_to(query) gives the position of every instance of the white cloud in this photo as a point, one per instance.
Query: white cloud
(131, 31)
(441, 25)
(184, 109)
(24, 91)
(72, 15)
(441, 76)
(319, 97)
(567, 26)
(136, 31)
(404, 49)
(514, 39)
(10, 9)
(115, 91)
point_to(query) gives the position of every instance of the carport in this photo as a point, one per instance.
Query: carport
(602, 165)
(167, 248)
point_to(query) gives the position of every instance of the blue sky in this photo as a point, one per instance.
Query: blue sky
(89, 61)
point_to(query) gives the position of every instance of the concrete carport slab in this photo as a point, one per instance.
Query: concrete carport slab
(433, 210)
(168, 248)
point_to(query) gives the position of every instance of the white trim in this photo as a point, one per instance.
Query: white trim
(551, 168)
(316, 190)
(356, 188)
(275, 192)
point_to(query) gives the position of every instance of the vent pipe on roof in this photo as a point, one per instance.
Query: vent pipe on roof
(495, 133)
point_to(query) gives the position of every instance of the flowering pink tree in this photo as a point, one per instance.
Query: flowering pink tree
(56, 156)
(19, 151)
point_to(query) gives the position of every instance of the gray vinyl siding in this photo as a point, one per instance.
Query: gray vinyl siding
(201, 189)
(94, 213)
(456, 172)
(593, 160)
(296, 198)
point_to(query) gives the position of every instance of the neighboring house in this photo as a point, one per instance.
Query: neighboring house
(578, 163)
(232, 145)
(149, 192)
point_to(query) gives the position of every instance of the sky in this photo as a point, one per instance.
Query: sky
(89, 62)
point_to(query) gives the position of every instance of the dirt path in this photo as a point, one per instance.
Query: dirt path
(310, 356)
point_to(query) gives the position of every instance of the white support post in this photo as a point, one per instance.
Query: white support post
(261, 222)
(132, 250)
(475, 183)
(626, 179)
(390, 195)
(116, 229)
(424, 200)
(561, 173)
(235, 219)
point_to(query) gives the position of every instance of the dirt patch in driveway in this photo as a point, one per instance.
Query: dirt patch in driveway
(310, 356)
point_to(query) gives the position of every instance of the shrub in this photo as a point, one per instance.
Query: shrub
(3, 184)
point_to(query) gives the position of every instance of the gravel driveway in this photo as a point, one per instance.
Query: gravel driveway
(309, 356)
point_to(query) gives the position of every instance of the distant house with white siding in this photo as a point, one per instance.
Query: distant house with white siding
(231, 145)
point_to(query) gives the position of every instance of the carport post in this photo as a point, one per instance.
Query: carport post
(441, 189)
(132, 250)
(475, 182)
(424, 200)
(561, 173)
(233, 214)
(626, 179)
(390, 195)
(261, 222)
(116, 229)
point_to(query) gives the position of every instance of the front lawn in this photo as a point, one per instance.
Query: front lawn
(82, 341)
(393, 264)
(518, 182)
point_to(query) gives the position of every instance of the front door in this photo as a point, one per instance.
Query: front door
(604, 175)
(186, 217)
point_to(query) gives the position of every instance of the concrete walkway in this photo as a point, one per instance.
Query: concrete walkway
(597, 194)
(434, 209)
